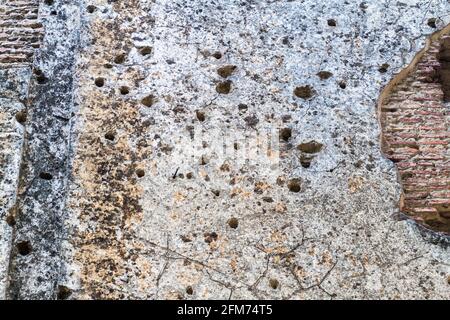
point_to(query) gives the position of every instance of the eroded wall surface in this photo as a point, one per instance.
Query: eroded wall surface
(216, 149)
(414, 118)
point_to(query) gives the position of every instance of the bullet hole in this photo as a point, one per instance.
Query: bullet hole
(41, 78)
(189, 290)
(111, 136)
(304, 92)
(432, 23)
(242, 107)
(342, 85)
(274, 283)
(24, 247)
(233, 223)
(21, 117)
(140, 173)
(91, 9)
(226, 71)
(331, 22)
(53, 13)
(37, 71)
(100, 82)
(383, 68)
(305, 161)
(216, 192)
(280, 181)
(124, 90)
(11, 220)
(145, 51)
(148, 101)
(286, 133)
(294, 185)
(224, 87)
(119, 59)
(251, 121)
(217, 55)
(267, 199)
(185, 239)
(210, 237)
(324, 75)
(45, 176)
(200, 116)
(189, 175)
(63, 293)
(310, 147)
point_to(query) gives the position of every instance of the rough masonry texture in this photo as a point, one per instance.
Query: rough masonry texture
(416, 135)
(157, 149)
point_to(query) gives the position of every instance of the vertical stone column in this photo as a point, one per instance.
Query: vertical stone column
(35, 265)
(20, 34)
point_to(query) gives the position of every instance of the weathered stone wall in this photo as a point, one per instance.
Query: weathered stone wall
(213, 149)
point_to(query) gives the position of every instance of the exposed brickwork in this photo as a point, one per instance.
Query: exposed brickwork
(415, 124)
(20, 31)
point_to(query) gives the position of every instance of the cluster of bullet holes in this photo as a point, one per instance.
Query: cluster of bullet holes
(308, 151)
(24, 247)
(224, 87)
